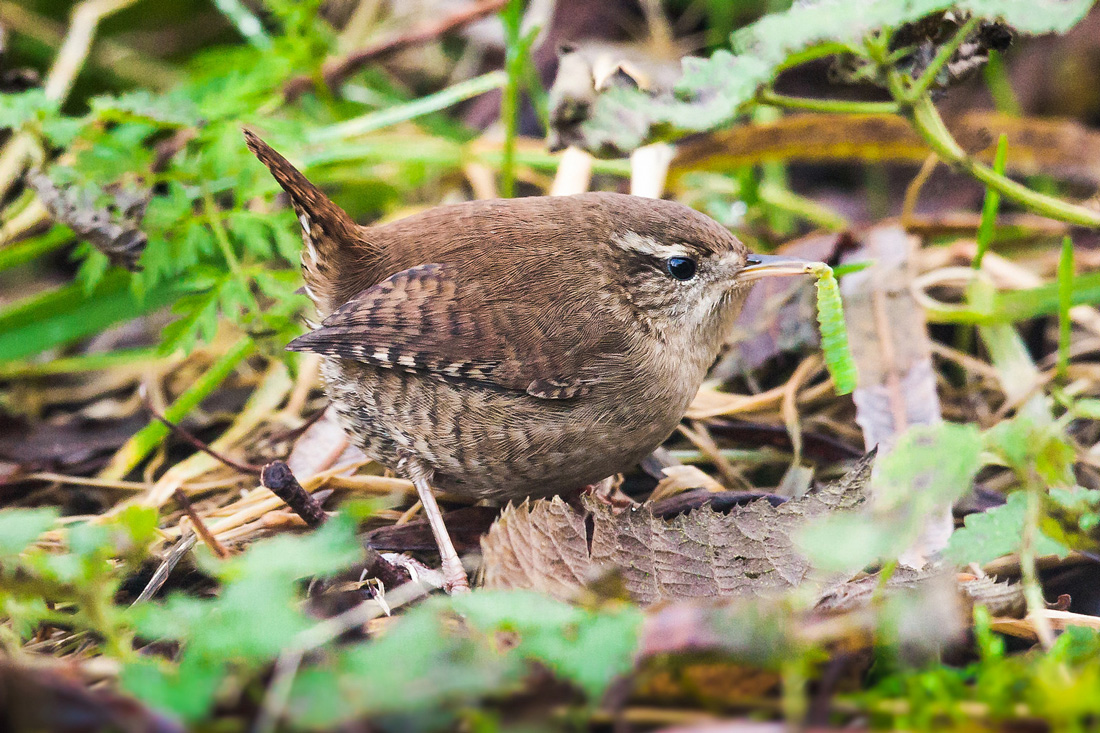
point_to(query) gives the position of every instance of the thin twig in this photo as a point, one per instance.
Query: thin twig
(336, 71)
(187, 436)
(199, 525)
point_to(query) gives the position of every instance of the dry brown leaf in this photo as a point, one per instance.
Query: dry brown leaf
(682, 478)
(547, 546)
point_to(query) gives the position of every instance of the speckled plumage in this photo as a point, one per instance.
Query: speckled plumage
(517, 347)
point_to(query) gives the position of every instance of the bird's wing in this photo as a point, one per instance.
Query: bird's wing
(427, 320)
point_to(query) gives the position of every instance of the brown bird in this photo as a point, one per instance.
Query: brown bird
(515, 348)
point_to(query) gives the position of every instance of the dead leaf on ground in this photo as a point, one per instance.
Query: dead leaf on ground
(547, 546)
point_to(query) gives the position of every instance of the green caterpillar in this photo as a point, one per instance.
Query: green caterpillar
(834, 334)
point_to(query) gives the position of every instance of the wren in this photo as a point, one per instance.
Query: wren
(515, 348)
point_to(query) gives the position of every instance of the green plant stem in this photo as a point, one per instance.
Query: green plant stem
(20, 253)
(148, 438)
(1029, 573)
(221, 236)
(1065, 301)
(991, 205)
(73, 364)
(417, 108)
(921, 86)
(1000, 87)
(832, 106)
(820, 51)
(795, 702)
(803, 208)
(509, 99)
(1018, 305)
(929, 125)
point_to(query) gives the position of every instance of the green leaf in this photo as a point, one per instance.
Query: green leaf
(188, 691)
(199, 319)
(997, 532)
(1072, 518)
(928, 467)
(20, 108)
(777, 36)
(167, 110)
(712, 93)
(1025, 445)
(431, 668)
(320, 553)
(589, 648)
(258, 610)
(931, 465)
(847, 541)
(20, 527)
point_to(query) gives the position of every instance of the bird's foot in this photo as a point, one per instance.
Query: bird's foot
(454, 577)
(609, 493)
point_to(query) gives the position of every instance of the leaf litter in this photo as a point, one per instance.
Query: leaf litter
(721, 596)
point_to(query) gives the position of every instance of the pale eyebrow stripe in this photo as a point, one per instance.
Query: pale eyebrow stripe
(650, 246)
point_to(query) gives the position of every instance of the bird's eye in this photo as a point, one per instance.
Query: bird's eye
(680, 268)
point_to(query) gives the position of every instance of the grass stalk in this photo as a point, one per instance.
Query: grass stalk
(991, 205)
(1065, 302)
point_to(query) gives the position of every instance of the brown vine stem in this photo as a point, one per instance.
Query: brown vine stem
(336, 71)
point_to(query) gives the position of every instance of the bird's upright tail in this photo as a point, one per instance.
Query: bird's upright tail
(332, 242)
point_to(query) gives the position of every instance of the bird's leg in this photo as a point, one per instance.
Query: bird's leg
(454, 575)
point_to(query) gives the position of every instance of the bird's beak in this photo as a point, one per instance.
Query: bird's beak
(759, 266)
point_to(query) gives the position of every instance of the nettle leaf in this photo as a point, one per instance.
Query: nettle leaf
(323, 552)
(928, 467)
(712, 93)
(166, 110)
(997, 532)
(588, 648)
(199, 319)
(715, 91)
(188, 690)
(446, 655)
(931, 465)
(432, 666)
(1072, 517)
(775, 37)
(20, 527)
(249, 623)
(18, 109)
